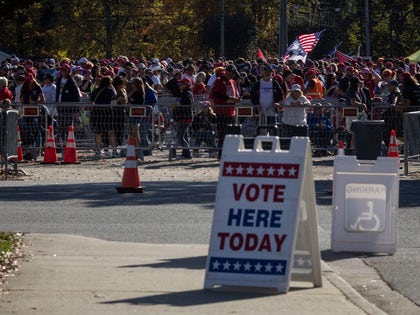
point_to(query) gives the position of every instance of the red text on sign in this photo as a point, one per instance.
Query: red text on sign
(251, 242)
(252, 192)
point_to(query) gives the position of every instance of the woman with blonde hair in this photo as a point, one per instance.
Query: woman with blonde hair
(199, 87)
(216, 73)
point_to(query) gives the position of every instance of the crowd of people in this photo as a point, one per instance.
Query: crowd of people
(280, 90)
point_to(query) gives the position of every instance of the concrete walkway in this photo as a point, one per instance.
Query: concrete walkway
(67, 274)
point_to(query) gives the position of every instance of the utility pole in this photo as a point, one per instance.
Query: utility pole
(222, 28)
(367, 28)
(283, 28)
(108, 30)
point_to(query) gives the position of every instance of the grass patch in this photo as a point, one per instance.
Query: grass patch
(10, 250)
(7, 241)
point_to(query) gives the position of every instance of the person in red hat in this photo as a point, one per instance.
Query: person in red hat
(32, 127)
(182, 116)
(225, 96)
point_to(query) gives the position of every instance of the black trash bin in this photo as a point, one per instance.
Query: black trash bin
(368, 138)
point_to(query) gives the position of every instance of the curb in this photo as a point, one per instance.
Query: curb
(355, 297)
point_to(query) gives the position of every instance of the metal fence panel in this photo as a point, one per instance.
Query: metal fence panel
(108, 127)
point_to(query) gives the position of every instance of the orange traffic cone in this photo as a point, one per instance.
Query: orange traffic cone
(393, 148)
(340, 151)
(50, 153)
(19, 146)
(70, 155)
(130, 181)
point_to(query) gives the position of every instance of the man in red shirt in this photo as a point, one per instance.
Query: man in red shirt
(225, 96)
(292, 79)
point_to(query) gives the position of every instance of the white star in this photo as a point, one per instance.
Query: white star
(250, 170)
(260, 170)
(226, 265)
(229, 170)
(258, 267)
(271, 170)
(279, 268)
(216, 265)
(292, 171)
(268, 267)
(281, 171)
(239, 169)
(237, 266)
(247, 266)
(301, 262)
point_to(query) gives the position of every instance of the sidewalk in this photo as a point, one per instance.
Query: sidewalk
(66, 274)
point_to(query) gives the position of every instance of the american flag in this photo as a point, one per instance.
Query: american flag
(342, 57)
(309, 41)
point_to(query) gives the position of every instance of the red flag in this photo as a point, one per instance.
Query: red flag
(342, 57)
(260, 55)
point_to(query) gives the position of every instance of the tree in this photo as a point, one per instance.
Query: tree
(163, 28)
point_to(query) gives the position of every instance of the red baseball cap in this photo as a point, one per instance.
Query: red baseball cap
(185, 81)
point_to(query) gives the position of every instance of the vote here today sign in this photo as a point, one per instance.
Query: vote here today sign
(255, 219)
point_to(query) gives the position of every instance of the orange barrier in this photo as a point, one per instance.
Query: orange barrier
(130, 181)
(50, 153)
(70, 155)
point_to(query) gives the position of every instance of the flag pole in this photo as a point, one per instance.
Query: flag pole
(283, 28)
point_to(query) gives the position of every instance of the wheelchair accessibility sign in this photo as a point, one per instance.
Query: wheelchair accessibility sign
(365, 205)
(368, 204)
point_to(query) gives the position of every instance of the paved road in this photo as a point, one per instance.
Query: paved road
(181, 212)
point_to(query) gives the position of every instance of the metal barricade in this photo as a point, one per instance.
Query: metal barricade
(411, 122)
(107, 128)
(9, 140)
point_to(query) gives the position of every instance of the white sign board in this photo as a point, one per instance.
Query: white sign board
(265, 208)
(365, 204)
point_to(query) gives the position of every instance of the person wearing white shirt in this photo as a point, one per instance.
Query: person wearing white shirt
(19, 81)
(294, 115)
(49, 89)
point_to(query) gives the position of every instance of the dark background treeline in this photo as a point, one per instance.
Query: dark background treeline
(177, 29)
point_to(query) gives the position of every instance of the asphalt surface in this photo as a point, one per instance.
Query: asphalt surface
(180, 212)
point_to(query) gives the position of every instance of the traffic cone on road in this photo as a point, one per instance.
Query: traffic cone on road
(70, 155)
(130, 181)
(340, 151)
(50, 153)
(393, 148)
(19, 146)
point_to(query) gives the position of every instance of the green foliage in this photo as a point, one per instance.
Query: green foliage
(162, 28)
(6, 243)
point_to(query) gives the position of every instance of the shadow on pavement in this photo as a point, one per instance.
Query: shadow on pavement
(105, 194)
(328, 255)
(198, 262)
(194, 297)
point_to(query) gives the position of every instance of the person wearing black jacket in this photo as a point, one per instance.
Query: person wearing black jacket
(266, 94)
(66, 92)
(182, 116)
